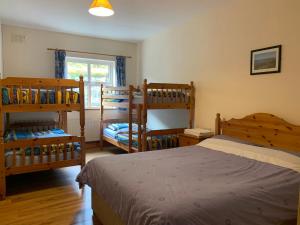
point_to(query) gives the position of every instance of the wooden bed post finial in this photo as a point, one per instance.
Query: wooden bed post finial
(130, 111)
(145, 115)
(218, 124)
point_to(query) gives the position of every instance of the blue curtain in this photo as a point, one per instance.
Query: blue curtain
(121, 70)
(60, 63)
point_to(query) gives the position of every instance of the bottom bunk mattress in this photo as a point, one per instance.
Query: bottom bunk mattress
(120, 133)
(39, 154)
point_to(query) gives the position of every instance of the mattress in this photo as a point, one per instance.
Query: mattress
(16, 95)
(197, 185)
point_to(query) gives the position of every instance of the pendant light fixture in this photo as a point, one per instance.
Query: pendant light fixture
(101, 8)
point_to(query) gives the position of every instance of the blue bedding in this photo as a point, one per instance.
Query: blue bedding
(14, 135)
(122, 135)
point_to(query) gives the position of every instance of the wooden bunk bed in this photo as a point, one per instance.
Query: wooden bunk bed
(50, 149)
(152, 96)
(158, 96)
(120, 98)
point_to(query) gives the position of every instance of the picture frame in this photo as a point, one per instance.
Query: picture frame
(266, 60)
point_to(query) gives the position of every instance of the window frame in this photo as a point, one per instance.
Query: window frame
(112, 78)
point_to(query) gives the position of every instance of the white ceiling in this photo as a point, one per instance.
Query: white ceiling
(134, 20)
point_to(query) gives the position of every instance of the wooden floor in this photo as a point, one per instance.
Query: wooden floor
(49, 198)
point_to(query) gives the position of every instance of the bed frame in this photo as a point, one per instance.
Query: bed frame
(152, 97)
(156, 91)
(30, 84)
(260, 128)
(131, 115)
(263, 129)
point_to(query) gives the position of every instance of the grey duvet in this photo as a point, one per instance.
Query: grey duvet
(193, 185)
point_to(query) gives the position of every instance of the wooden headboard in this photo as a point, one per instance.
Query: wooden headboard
(262, 129)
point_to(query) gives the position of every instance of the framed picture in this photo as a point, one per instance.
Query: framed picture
(266, 60)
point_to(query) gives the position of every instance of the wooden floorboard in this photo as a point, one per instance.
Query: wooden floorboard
(49, 198)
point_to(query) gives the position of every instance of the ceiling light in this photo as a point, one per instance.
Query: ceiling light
(101, 8)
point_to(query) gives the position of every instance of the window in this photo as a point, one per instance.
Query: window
(95, 73)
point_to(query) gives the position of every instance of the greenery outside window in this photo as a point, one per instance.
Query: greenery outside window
(94, 72)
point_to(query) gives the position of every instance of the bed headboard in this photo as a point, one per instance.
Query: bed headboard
(262, 129)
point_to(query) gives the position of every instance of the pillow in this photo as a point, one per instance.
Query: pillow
(118, 126)
(228, 138)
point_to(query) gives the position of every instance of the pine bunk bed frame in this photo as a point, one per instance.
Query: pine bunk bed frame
(126, 94)
(154, 96)
(159, 96)
(59, 144)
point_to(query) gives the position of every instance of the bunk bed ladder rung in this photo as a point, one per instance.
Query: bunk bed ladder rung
(57, 148)
(48, 96)
(41, 154)
(14, 157)
(65, 151)
(39, 95)
(72, 151)
(30, 95)
(32, 154)
(72, 96)
(23, 157)
(49, 153)
(21, 95)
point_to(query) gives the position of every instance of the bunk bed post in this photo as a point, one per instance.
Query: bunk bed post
(7, 119)
(218, 124)
(101, 117)
(130, 118)
(2, 159)
(82, 120)
(192, 106)
(139, 115)
(145, 100)
(64, 120)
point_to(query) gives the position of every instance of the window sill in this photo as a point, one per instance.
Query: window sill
(98, 109)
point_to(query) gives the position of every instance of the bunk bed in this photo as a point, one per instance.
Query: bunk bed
(134, 135)
(119, 131)
(159, 96)
(35, 146)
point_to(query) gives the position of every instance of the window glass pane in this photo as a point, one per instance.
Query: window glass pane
(99, 73)
(75, 69)
(95, 96)
(86, 95)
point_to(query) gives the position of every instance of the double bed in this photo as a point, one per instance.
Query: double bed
(247, 175)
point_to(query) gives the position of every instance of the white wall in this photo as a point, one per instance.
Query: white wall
(25, 54)
(213, 50)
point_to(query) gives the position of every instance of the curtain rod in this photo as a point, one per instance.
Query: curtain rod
(89, 53)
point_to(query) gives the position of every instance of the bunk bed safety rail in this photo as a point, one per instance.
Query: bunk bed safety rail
(40, 94)
(168, 96)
